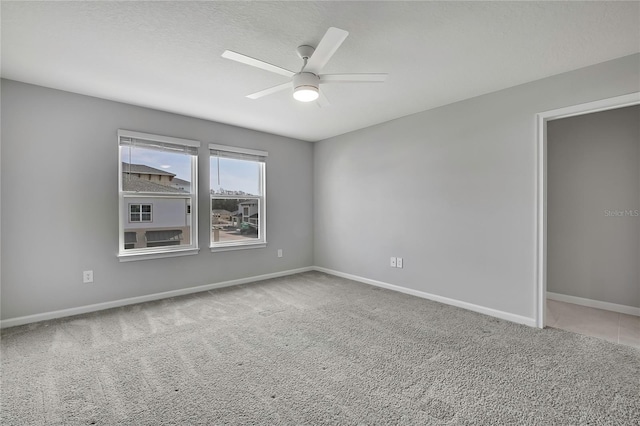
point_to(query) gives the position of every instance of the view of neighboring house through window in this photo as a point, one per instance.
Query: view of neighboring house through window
(237, 190)
(157, 191)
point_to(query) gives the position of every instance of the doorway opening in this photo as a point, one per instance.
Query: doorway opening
(560, 304)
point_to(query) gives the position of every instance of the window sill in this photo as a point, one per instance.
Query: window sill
(238, 247)
(156, 255)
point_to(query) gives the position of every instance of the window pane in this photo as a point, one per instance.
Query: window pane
(149, 170)
(165, 224)
(234, 220)
(134, 208)
(234, 177)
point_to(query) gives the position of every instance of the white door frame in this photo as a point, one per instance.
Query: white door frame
(541, 183)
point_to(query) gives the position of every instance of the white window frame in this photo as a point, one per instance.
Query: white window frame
(123, 196)
(261, 241)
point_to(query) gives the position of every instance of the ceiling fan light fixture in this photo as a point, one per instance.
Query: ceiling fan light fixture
(305, 87)
(306, 83)
(305, 93)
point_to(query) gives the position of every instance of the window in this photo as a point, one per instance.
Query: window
(130, 240)
(139, 212)
(157, 189)
(237, 189)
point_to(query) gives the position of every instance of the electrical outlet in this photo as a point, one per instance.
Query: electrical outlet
(87, 277)
(393, 262)
(399, 262)
(279, 252)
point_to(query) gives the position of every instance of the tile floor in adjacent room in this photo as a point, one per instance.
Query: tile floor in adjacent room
(607, 325)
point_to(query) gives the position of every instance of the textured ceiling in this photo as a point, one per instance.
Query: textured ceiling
(166, 55)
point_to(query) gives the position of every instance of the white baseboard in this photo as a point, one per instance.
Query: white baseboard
(11, 322)
(531, 322)
(623, 309)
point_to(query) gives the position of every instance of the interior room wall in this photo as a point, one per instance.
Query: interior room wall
(60, 203)
(593, 214)
(451, 190)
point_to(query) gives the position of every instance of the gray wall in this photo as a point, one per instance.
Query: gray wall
(451, 190)
(60, 202)
(593, 243)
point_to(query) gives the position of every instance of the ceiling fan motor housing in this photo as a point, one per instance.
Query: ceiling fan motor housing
(306, 79)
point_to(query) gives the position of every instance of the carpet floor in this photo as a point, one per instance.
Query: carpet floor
(310, 349)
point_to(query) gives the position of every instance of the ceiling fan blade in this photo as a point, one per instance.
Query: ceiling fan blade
(322, 100)
(353, 78)
(331, 41)
(248, 60)
(270, 90)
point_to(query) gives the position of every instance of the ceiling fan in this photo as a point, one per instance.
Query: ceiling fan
(306, 82)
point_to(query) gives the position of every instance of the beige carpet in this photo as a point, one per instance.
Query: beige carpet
(310, 349)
